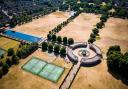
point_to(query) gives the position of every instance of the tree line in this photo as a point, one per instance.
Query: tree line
(13, 56)
(56, 48)
(99, 25)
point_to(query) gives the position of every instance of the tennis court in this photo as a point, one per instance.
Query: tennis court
(43, 69)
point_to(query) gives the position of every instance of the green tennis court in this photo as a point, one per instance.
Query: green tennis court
(43, 69)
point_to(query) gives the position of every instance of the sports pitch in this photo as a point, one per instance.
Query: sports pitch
(43, 69)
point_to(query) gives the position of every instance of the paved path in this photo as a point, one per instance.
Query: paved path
(69, 79)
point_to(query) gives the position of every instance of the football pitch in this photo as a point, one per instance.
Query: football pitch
(43, 69)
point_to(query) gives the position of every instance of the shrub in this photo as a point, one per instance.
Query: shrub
(15, 59)
(92, 35)
(70, 41)
(95, 31)
(49, 36)
(65, 40)
(56, 48)
(91, 40)
(54, 38)
(9, 62)
(10, 52)
(44, 46)
(5, 68)
(50, 47)
(63, 51)
(59, 39)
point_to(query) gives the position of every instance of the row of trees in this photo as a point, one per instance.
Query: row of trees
(63, 24)
(26, 49)
(26, 17)
(95, 7)
(99, 25)
(117, 62)
(51, 47)
(60, 40)
(13, 57)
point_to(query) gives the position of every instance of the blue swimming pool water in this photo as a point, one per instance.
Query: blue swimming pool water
(22, 36)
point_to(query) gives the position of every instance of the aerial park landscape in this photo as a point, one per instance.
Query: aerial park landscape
(63, 44)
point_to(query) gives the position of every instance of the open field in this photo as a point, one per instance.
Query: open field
(81, 27)
(20, 79)
(114, 33)
(40, 27)
(6, 43)
(98, 77)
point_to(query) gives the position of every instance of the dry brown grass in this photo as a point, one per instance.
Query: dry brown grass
(98, 77)
(40, 27)
(114, 33)
(20, 79)
(81, 27)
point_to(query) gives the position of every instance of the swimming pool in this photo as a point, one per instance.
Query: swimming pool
(22, 36)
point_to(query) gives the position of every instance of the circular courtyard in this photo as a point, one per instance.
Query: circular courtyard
(87, 54)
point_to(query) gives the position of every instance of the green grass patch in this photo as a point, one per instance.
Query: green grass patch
(6, 43)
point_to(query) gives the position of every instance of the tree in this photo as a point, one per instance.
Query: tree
(104, 17)
(56, 48)
(63, 51)
(70, 41)
(59, 39)
(54, 38)
(113, 60)
(95, 31)
(100, 25)
(10, 52)
(124, 66)
(49, 36)
(5, 68)
(15, 59)
(92, 35)
(50, 47)
(65, 40)
(113, 48)
(19, 54)
(1, 73)
(121, 12)
(91, 40)
(9, 62)
(44, 46)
